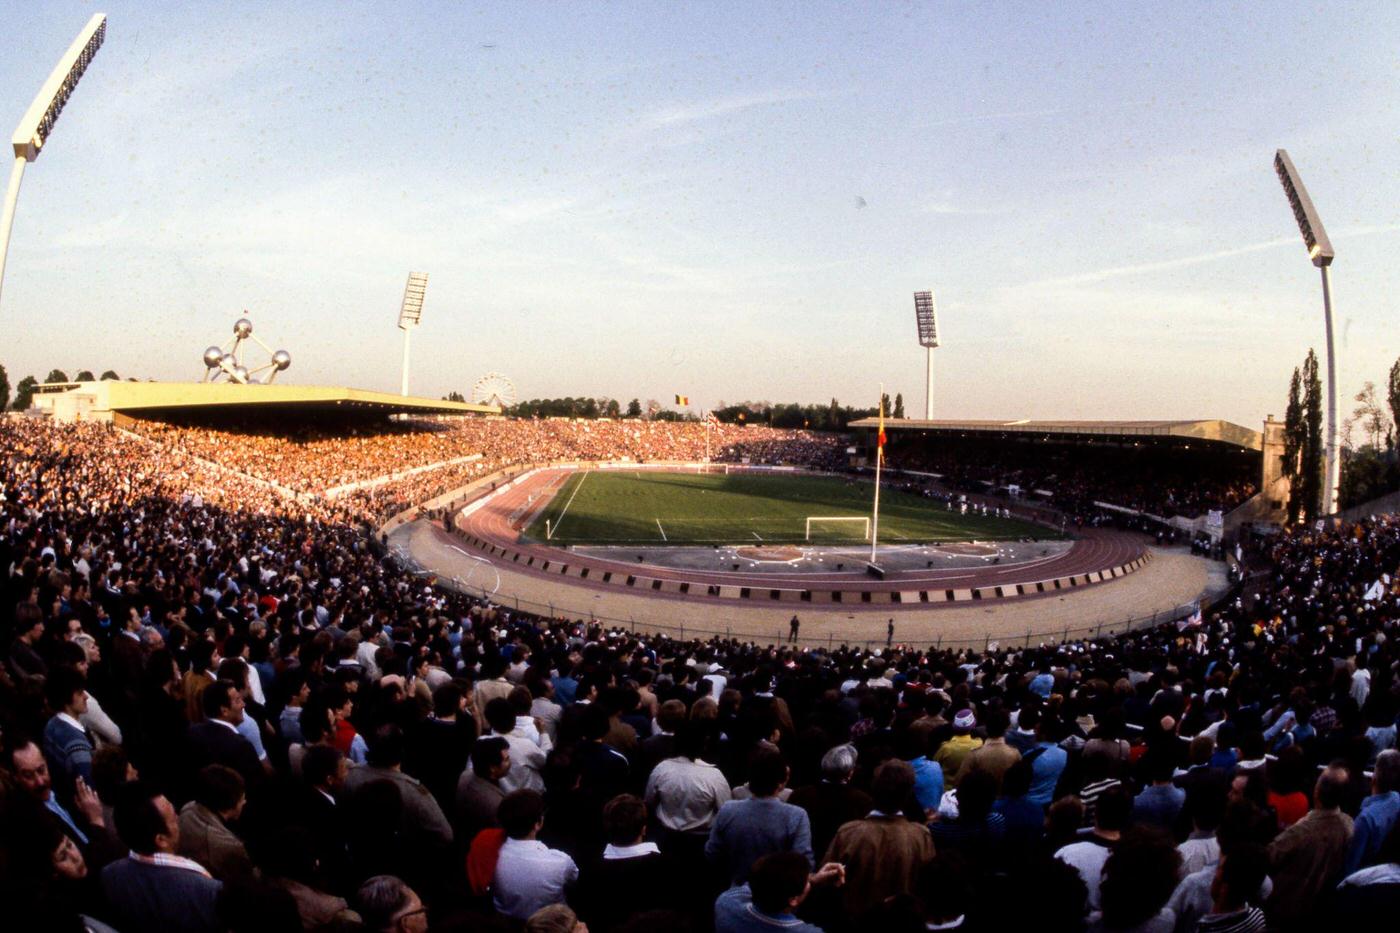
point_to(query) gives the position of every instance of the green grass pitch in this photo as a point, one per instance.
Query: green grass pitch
(639, 507)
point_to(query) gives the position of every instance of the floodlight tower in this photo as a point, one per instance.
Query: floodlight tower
(1321, 253)
(33, 131)
(410, 313)
(926, 316)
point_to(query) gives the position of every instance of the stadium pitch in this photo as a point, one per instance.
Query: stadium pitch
(637, 507)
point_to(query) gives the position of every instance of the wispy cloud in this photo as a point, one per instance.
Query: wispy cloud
(1182, 262)
(721, 107)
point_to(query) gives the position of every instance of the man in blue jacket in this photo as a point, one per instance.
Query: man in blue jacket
(746, 830)
(1379, 813)
(67, 745)
(153, 888)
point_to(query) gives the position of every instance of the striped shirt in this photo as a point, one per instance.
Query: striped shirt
(1090, 795)
(1248, 920)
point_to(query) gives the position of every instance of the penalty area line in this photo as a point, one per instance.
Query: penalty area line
(755, 534)
(662, 530)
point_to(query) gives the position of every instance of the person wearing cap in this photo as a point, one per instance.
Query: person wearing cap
(954, 751)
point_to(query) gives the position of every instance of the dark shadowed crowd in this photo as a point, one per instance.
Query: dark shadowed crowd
(225, 710)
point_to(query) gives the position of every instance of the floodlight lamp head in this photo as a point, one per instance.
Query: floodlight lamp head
(1309, 224)
(33, 131)
(411, 311)
(926, 316)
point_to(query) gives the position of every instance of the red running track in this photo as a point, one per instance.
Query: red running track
(1096, 549)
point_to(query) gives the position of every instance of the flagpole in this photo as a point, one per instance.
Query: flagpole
(706, 418)
(879, 459)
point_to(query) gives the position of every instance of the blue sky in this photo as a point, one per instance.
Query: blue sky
(733, 201)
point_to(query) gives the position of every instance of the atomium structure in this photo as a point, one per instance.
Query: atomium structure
(226, 362)
(494, 389)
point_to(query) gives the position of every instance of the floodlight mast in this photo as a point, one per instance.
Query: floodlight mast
(926, 316)
(1321, 253)
(410, 314)
(33, 131)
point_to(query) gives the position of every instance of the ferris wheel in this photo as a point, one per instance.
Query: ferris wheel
(494, 389)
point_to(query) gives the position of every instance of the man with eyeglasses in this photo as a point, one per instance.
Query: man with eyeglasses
(387, 905)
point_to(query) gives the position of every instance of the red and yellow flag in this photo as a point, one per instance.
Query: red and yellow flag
(881, 437)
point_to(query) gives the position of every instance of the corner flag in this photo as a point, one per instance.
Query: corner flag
(881, 437)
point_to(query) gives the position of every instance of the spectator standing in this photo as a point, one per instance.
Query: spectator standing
(1159, 803)
(529, 875)
(155, 888)
(1380, 813)
(205, 835)
(884, 853)
(781, 882)
(1308, 857)
(746, 830)
(1089, 855)
(67, 743)
(833, 802)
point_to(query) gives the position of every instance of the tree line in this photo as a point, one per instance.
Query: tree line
(1370, 466)
(832, 416)
(24, 391)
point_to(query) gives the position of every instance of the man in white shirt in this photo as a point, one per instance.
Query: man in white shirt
(527, 759)
(686, 792)
(529, 874)
(544, 709)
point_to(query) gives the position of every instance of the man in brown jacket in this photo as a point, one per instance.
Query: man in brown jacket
(884, 853)
(204, 832)
(1307, 857)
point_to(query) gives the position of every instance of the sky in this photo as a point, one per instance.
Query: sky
(731, 201)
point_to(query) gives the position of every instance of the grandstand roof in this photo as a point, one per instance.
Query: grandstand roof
(1223, 432)
(100, 400)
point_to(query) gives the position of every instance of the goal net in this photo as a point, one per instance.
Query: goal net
(825, 521)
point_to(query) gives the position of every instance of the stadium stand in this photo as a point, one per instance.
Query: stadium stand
(223, 710)
(1160, 470)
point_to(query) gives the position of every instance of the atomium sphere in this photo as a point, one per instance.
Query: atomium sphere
(243, 327)
(254, 380)
(212, 357)
(228, 361)
(281, 359)
(240, 373)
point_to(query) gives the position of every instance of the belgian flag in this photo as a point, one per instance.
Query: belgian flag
(682, 399)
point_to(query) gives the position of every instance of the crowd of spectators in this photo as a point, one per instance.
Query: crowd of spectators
(1160, 481)
(222, 710)
(392, 466)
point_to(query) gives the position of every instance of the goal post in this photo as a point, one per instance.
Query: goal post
(863, 519)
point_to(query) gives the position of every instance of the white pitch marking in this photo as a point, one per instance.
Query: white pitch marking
(662, 530)
(755, 534)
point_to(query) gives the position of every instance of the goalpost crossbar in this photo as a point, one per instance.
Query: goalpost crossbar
(840, 518)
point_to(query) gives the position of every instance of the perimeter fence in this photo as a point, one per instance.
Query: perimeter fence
(681, 631)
